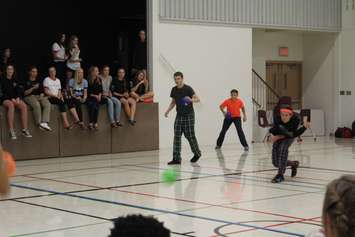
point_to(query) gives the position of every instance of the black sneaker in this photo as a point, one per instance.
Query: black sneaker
(294, 167)
(131, 122)
(195, 158)
(246, 148)
(174, 162)
(217, 147)
(278, 179)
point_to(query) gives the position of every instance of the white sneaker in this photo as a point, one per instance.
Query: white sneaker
(26, 133)
(13, 135)
(45, 126)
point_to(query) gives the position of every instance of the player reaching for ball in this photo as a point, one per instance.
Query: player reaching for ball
(284, 131)
(4, 180)
(233, 115)
(183, 97)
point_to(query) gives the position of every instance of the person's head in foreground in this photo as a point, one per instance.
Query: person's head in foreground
(339, 208)
(138, 226)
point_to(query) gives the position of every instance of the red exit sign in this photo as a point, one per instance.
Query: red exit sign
(283, 51)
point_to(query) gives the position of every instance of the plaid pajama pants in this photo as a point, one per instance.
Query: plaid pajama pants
(185, 124)
(280, 154)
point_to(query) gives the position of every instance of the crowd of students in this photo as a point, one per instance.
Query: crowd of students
(66, 87)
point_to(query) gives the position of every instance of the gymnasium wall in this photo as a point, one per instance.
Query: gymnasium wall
(345, 112)
(214, 59)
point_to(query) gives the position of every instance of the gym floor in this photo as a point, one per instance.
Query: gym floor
(227, 193)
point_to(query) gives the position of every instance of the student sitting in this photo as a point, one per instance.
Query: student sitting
(53, 89)
(78, 91)
(94, 97)
(34, 97)
(113, 104)
(12, 94)
(120, 90)
(140, 90)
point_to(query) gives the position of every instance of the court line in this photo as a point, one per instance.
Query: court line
(284, 223)
(158, 210)
(59, 229)
(173, 199)
(239, 173)
(220, 234)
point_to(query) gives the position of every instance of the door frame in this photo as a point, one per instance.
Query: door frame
(300, 63)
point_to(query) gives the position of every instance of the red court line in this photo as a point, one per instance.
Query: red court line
(269, 226)
(169, 198)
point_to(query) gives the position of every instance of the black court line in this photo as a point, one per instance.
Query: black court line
(161, 211)
(63, 210)
(326, 169)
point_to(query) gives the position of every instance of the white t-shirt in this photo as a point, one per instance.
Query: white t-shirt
(74, 55)
(60, 51)
(53, 86)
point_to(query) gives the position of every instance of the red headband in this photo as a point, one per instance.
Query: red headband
(288, 111)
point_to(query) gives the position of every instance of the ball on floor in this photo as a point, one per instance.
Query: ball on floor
(169, 176)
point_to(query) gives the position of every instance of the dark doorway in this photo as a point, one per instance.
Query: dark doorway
(107, 29)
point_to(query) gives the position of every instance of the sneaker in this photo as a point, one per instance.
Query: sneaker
(119, 124)
(26, 133)
(13, 135)
(195, 158)
(131, 122)
(174, 162)
(294, 167)
(45, 126)
(113, 125)
(217, 148)
(246, 148)
(278, 179)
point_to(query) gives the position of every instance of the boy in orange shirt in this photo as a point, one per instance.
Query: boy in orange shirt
(233, 115)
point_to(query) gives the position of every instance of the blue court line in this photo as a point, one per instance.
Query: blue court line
(158, 210)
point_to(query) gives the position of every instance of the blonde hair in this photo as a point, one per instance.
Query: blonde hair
(339, 206)
(76, 77)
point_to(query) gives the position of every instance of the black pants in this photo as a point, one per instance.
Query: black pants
(76, 103)
(93, 108)
(280, 154)
(185, 125)
(61, 104)
(238, 125)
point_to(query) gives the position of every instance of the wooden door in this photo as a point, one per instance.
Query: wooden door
(285, 78)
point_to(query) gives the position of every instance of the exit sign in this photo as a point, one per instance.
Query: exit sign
(283, 51)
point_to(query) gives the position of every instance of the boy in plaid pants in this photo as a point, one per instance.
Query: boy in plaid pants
(285, 130)
(183, 97)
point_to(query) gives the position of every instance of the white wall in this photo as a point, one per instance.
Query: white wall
(319, 75)
(266, 44)
(214, 59)
(346, 68)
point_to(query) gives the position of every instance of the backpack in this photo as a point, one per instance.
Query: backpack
(343, 133)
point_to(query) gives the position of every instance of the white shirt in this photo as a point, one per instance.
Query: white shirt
(53, 86)
(60, 51)
(74, 55)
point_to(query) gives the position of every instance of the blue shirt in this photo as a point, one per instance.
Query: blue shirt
(78, 89)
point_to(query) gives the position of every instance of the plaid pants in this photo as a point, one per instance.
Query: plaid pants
(185, 124)
(280, 154)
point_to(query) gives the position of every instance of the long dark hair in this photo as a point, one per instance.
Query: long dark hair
(92, 79)
(14, 76)
(58, 39)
